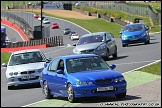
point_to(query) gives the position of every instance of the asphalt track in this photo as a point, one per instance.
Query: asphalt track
(129, 58)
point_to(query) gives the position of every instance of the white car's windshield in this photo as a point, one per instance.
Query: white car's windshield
(85, 64)
(25, 58)
(90, 39)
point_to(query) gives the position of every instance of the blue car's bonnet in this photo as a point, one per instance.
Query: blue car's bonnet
(96, 74)
(132, 33)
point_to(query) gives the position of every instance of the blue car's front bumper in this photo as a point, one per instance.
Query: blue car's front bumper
(90, 91)
(137, 40)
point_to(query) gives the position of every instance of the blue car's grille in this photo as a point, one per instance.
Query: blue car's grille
(87, 51)
(103, 81)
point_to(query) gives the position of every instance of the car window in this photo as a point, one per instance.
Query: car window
(85, 64)
(61, 65)
(132, 28)
(53, 65)
(25, 58)
(90, 39)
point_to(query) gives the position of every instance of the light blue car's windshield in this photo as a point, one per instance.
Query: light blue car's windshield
(25, 58)
(132, 28)
(85, 64)
(90, 39)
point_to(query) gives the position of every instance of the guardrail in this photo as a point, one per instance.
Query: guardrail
(51, 42)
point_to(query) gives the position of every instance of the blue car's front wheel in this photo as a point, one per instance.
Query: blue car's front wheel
(124, 45)
(46, 91)
(70, 91)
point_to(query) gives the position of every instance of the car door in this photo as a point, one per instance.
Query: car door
(51, 74)
(110, 43)
(61, 79)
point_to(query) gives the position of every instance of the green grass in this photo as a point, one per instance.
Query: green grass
(5, 57)
(153, 69)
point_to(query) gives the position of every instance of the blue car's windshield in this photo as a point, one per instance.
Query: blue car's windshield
(90, 39)
(132, 28)
(85, 64)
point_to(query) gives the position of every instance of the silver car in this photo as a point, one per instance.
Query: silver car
(24, 67)
(100, 43)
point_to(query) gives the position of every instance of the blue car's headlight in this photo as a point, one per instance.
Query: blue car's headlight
(84, 82)
(103, 46)
(144, 34)
(120, 79)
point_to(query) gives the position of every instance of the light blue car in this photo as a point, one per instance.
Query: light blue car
(135, 33)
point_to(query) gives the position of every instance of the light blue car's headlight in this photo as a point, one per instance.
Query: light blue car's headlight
(123, 37)
(103, 46)
(84, 82)
(120, 79)
(75, 51)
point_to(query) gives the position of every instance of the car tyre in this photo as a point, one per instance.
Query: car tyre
(121, 95)
(147, 42)
(70, 91)
(115, 54)
(11, 87)
(124, 45)
(107, 55)
(46, 91)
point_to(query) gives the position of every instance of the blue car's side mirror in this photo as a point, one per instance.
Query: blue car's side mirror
(60, 71)
(113, 66)
(48, 60)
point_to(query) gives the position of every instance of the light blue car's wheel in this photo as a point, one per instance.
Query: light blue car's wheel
(46, 91)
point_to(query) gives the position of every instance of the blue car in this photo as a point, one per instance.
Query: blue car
(82, 75)
(135, 33)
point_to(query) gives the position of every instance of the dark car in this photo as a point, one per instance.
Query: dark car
(66, 31)
(135, 33)
(100, 43)
(83, 75)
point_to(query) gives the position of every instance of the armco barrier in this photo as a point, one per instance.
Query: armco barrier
(23, 48)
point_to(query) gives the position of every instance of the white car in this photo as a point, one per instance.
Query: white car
(22, 68)
(74, 36)
(46, 21)
(39, 18)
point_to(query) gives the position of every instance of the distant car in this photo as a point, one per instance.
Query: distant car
(74, 36)
(39, 18)
(25, 67)
(135, 33)
(36, 15)
(46, 21)
(72, 32)
(54, 25)
(100, 43)
(83, 75)
(66, 31)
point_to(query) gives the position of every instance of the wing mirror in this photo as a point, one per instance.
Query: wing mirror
(60, 71)
(113, 66)
(4, 65)
(48, 60)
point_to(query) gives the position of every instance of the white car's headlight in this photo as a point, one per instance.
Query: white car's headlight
(120, 79)
(84, 82)
(13, 73)
(103, 46)
(39, 70)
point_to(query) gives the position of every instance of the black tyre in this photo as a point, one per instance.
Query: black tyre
(147, 42)
(107, 56)
(121, 95)
(70, 91)
(11, 87)
(124, 45)
(115, 54)
(46, 91)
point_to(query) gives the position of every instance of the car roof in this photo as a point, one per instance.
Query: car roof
(77, 56)
(95, 33)
(23, 51)
(134, 24)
